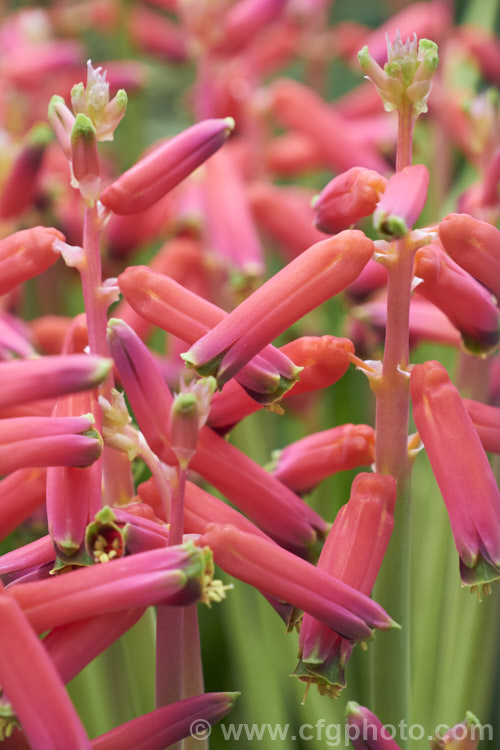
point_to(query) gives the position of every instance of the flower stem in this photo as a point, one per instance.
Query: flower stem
(91, 274)
(391, 652)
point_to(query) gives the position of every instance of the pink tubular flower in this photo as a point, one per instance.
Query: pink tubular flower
(164, 167)
(324, 360)
(18, 190)
(305, 463)
(348, 198)
(32, 555)
(475, 246)
(73, 495)
(71, 647)
(33, 687)
(319, 273)
(188, 316)
(291, 154)
(487, 423)
(353, 553)
(366, 731)
(443, 283)
(286, 214)
(169, 724)
(46, 377)
(171, 575)
(281, 574)
(85, 157)
(231, 230)
(461, 468)
(402, 202)
(273, 507)
(21, 493)
(339, 148)
(26, 254)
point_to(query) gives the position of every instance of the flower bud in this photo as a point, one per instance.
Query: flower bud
(402, 202)
(348, 198)
(85, 158)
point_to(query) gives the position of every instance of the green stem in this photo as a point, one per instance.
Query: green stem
(391, 651)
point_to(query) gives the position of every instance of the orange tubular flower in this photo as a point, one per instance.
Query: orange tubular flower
(348, 198)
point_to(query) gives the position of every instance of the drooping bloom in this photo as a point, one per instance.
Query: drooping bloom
(366, 731)
(319, 273)
(353, 553)
(402, 202)
(20, 185)
(305, 463)
(168, 724)
(165, 166)
(283, 575)
(348, 198)
(487, 423)
(443, 283)
(462, 471)
(32, 686)
(475, 246)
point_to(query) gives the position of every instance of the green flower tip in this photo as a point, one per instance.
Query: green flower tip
(230, 123)
(353, 709)
(364, 56)
(471, 720)
(101, 370)
(314, 200)
(121, 98)
(391, 226)
(105, 515)
(185, 403)
(83, 128)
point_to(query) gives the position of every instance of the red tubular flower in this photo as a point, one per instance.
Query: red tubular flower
(402, 202)
(188, 316)
(26, 254)
(169, 724)
(487, 423)
(305, 463)
(324, 360)
(339, 148)
(33, 687)
(46, 377)
(366, 731)
(461, 468)
(353, 553)
(164, 167)
(282, 575)
(286, 214)
(348, 198)
(474, 245)
(443, 283)
(319, 273)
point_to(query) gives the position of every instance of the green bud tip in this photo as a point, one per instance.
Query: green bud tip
(83, 128)
(314, 200)
(230, 123)
(77, 90)
(363, 56)
(54, 101)
(428, 51)
(353, 709)
(105, 515)
(391, 226)
(121, 99)
(185, 403)
(472, 720)
(101, 370)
